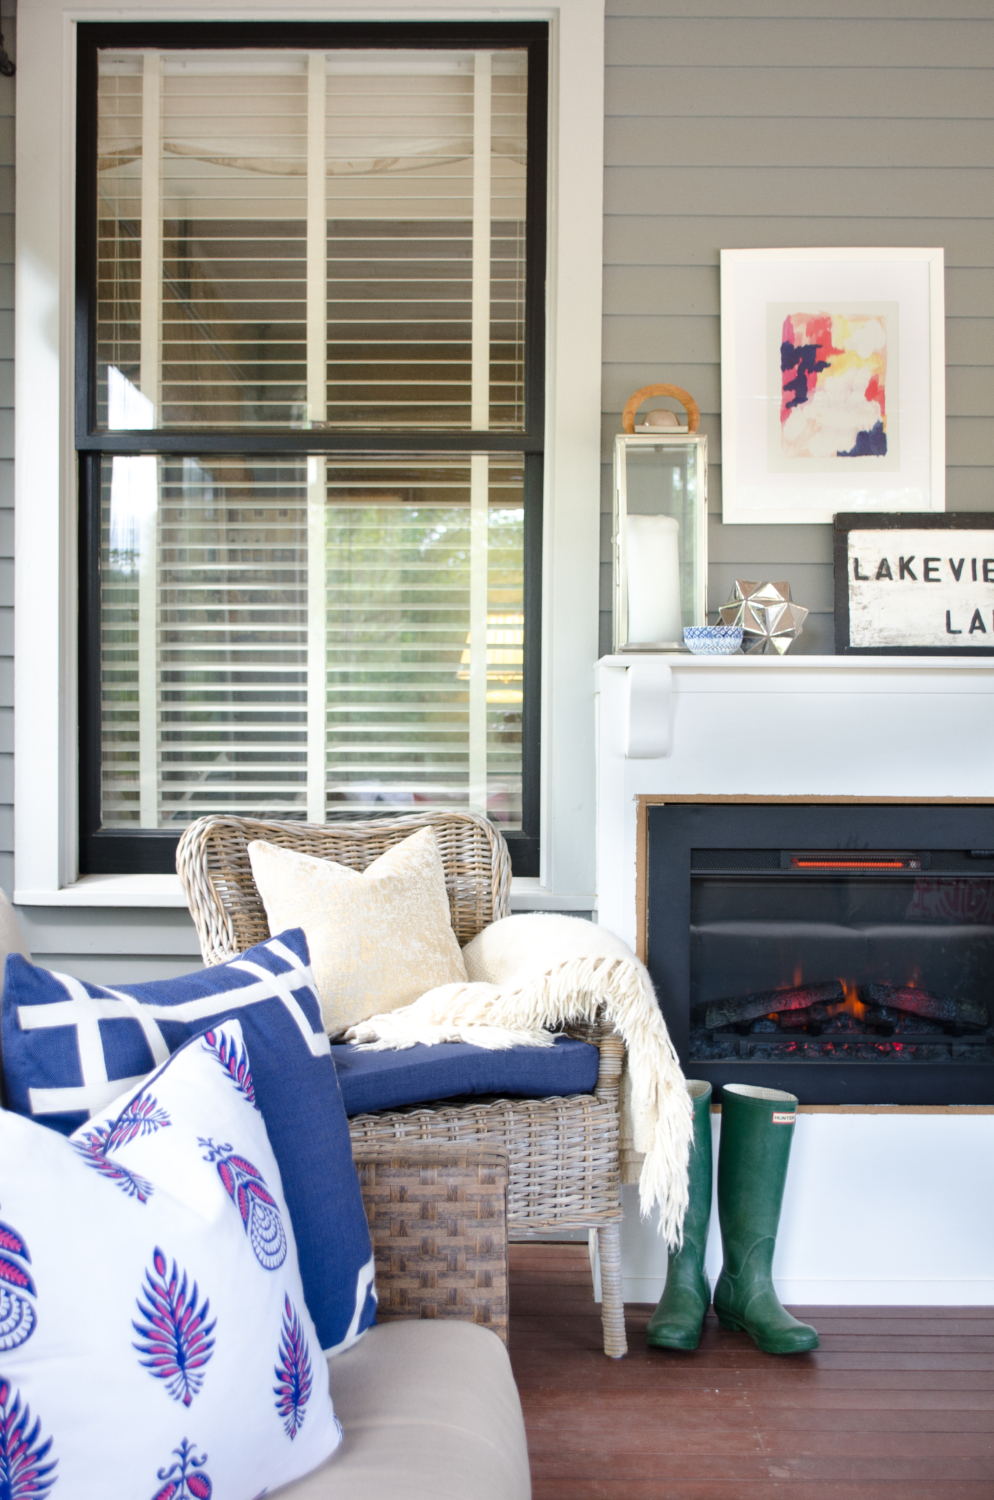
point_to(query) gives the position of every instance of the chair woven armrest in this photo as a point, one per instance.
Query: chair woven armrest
(612, 1050)
(438, 1220)
(601, 1034)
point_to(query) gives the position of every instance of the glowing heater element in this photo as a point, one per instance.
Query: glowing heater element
(848, 864)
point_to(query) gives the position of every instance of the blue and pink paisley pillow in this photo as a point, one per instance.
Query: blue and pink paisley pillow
(154, 1337)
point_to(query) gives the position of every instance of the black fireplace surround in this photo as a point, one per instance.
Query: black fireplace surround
(841, 951)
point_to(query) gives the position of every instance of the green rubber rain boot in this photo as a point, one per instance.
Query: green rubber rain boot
(757, 1126)
(676, 1323)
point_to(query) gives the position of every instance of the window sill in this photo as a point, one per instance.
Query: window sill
(109, 890)
(527, 894)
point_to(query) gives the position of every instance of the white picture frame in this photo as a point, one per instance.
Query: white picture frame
(780, 456)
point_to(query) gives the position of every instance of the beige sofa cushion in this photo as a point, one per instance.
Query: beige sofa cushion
(377, 939)
(430, 1411)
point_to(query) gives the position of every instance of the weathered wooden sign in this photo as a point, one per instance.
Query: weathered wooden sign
(914, 584)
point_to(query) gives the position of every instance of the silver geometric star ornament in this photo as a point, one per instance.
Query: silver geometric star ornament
(770, 622)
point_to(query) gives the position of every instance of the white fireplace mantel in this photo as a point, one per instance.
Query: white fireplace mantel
(893, 1206)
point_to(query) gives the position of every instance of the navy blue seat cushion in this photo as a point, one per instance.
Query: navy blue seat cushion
(385, 1080)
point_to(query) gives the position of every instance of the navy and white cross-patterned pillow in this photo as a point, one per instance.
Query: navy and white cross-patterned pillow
(70, 1047)
(154, 1334)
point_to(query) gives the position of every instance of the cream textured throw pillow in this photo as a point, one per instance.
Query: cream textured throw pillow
(377, 940)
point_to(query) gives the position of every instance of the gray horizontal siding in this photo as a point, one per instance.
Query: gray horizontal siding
(802, 143)
(898, 10)
(802, 93)
(688, 241)
(112, 946)
(847, 44)
(61, 929)
(758, 123)
(763, 192)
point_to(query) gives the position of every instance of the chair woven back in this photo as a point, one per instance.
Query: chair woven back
(213, 864)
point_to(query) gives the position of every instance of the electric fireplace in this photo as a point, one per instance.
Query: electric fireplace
(844, 952)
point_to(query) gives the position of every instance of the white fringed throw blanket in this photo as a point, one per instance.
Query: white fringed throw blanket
(529, 976)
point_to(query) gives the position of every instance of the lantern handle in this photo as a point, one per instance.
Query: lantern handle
(684, 397)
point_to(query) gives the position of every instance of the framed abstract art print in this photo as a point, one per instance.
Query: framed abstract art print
(832, 383)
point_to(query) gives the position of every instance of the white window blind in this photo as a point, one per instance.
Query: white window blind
(293, 239)
(403, 546)
(304, 241)
(226, 646)
(208, 702)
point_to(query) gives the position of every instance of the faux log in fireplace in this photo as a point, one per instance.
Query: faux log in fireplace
(843, 952)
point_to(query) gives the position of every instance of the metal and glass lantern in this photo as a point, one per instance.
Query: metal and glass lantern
(660, 525)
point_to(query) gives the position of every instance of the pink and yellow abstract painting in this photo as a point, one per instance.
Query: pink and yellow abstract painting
(833, 401)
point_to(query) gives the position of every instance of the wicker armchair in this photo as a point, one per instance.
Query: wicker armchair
(563, 1151)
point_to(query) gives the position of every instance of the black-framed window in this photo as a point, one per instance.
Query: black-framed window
(309, 419)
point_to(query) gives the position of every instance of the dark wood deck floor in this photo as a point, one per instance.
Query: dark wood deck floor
(897, 1404)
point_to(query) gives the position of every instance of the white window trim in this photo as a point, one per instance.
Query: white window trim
(45, 596)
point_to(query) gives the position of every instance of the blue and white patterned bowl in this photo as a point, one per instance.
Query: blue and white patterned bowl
(712, 640)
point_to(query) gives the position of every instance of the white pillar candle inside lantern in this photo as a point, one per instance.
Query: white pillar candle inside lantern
(653, 566)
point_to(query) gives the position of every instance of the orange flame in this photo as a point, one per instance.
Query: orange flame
(853, 1004)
